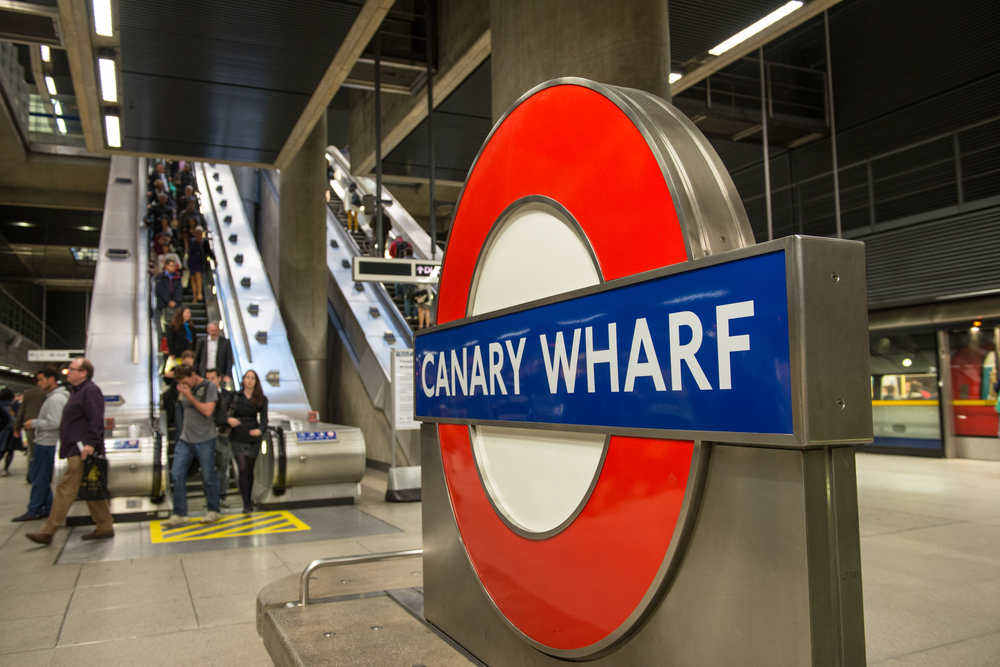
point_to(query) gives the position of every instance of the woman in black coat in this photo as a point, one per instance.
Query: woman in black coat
(180, 333)
(248, 417)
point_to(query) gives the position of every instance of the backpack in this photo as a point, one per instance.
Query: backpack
(223, 411)
(398, 247)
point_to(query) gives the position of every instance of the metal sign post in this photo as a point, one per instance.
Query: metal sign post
(404, 482)
(638, 436)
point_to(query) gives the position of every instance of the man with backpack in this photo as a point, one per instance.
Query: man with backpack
(197, 439)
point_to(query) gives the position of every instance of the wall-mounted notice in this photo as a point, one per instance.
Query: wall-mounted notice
(402, 390)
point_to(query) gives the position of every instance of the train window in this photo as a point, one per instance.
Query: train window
(974, 386)
(905, 393)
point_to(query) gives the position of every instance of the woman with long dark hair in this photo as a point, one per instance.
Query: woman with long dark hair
(248, 417)
(180, 333)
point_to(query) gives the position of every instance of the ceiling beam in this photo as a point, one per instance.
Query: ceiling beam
(444, 84)
(75, 20)
(362, 30)
(73, 199)
(714, 64)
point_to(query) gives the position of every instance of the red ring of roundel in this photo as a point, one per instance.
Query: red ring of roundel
(572, 590)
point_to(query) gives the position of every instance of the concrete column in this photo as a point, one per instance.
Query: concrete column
(302, 262)
(622, 43)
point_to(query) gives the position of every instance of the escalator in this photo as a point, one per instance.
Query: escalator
(303, 461)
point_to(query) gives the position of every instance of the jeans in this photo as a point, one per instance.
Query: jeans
(408, 308)
(40, 473)
(184, 454)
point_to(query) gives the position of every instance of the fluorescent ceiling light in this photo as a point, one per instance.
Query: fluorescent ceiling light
(675, 76)
(22, 224)
(61, 124)
(58, 107)
(109, 83)
(4, 368)
(50, 83)
(88, 228)
(747, 33)
(102, 17)
(46, 54)
(113, 128)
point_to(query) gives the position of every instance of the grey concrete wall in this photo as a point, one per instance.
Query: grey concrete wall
(623, 43)
(459, 24)
(302, 266)
(350, 404)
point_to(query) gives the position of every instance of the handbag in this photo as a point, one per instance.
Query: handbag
(222, 424)
(94, 485)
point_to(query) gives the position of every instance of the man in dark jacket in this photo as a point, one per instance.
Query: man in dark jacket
(31, 403)
(169, 290)
(214, 351)
(81, 434)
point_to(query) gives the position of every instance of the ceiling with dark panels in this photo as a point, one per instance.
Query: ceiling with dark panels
(52, 226)
(461, 124)
(698, 25)
(224, 80)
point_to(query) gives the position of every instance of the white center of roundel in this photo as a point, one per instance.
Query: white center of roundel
(537, 478)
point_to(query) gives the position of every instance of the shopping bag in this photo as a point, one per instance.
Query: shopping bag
(94, 485)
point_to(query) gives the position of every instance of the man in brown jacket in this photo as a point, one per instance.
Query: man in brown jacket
(31, 403)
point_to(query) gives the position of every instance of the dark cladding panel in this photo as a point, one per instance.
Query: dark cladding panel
(223, 80)
(237, 120)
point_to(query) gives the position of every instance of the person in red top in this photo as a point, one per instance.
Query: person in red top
(81, 434)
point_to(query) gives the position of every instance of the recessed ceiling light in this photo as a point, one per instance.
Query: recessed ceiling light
(907, 362)
(113, 128)
(50, 83)
(747, 33)
(102, 17)
(109, 83)
(675, 76)
(46, 54)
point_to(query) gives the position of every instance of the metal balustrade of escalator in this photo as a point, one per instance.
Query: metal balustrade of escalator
(402, 226)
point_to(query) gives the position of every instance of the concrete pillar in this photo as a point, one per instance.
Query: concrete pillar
(302, 262)
(622, 43)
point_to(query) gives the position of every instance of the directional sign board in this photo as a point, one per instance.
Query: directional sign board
(54, 355)
(418, 271)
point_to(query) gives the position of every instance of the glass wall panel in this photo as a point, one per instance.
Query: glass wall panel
(974, 380)
(905, 407)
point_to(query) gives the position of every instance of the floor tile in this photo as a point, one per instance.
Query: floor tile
(226, 609)
(235, 645)
(29, 634)
(127, 622)
(178, 649)
(37, 603)
(150, 594)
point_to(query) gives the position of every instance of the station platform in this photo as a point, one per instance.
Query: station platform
(930, 536)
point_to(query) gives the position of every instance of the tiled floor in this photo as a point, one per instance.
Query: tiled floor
(119, 602)
(930, 547)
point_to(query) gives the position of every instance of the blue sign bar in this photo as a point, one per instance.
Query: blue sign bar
(315, 436)
(704, 350)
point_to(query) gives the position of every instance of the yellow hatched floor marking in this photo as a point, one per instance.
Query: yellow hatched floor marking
(233, 525)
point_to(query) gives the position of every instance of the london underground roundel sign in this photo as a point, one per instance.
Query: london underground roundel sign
(572, 522)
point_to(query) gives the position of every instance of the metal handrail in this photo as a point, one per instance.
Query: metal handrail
(347, 560)
(140, 234)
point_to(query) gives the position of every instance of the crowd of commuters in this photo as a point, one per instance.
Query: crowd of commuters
(213, 424)
(419, 298)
